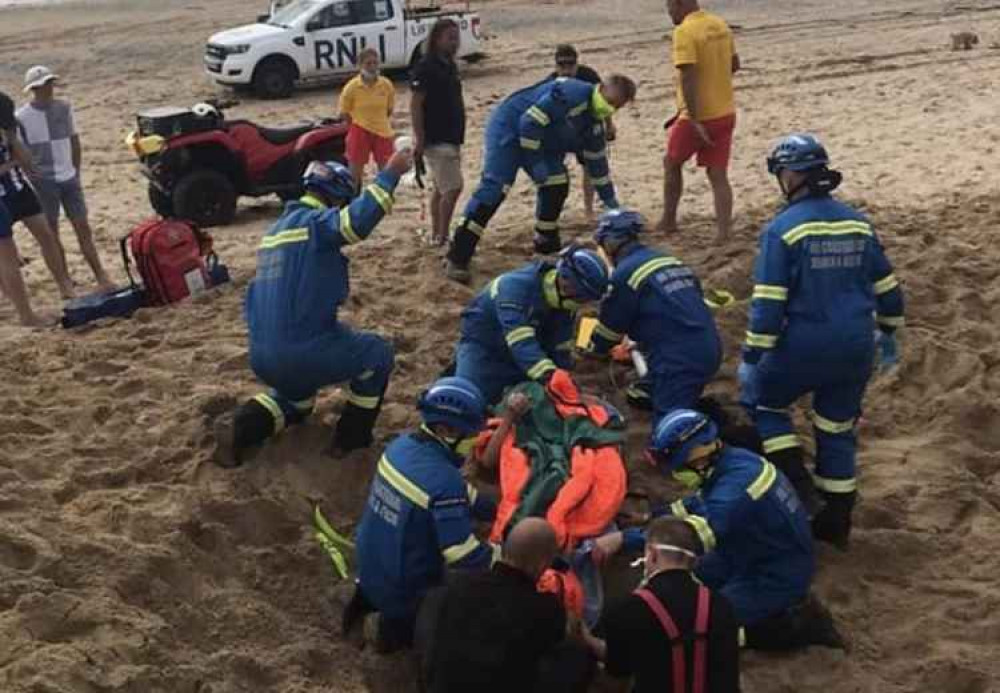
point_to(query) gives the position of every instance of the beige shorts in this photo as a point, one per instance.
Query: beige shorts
(445, 164)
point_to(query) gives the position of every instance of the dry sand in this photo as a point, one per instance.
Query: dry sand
(128, 562)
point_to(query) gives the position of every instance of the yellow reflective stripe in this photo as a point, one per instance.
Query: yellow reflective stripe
(770, 291)
(495, 287)
(453, 554)
(826, 228)
(541, 368)
(830, 426)
(347, 228)
(539, 116)
(704, 531)
(606, 332)
(557, 179)
(472, 492)
(273, 408)
(399, 482)
(678, 510)
(781, 443)
(835, 485)
(527, 143)
(568, 345)
(519, 334)
(603, 180)
(289, 236)
(382, 196)
(742, 637)
(577, 110)
(362, 401)
(773, 410)
(764, 481)
(594, 156)
(762, 341)
(473, 226)
(497, 553)
(648, 267)
(546, 225)
(886, 284)
(891, 321)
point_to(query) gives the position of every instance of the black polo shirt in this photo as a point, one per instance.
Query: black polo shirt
(639, 647)
(444, 107)
(584, 74)
(492, 629)
(7, 119)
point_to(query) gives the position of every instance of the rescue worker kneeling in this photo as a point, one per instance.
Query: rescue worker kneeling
(758, 546)
(418, 519)
(657, 301)
(522, 325)
(297, 345)
(822, 285)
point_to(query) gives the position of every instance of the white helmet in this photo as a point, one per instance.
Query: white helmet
(205, 110)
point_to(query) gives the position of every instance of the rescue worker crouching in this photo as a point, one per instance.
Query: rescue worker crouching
(418, 519)
(297, 344)
(823, 285)
(534, 129)
(522, 325)
(657, 301)
(755, 534)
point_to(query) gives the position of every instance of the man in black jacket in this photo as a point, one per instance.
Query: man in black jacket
(495, 632)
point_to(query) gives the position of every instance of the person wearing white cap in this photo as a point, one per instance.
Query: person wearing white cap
(48, 128)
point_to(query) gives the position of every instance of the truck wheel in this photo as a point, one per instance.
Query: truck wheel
(205, 197)
(274, 79)
(162, 203)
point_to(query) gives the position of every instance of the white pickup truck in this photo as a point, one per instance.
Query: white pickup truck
(315, 40)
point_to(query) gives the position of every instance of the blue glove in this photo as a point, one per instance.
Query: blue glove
(749, 385)
(887, 350)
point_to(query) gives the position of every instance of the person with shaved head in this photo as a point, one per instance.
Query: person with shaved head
(495, 632)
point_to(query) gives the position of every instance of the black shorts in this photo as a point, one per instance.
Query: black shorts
(22, 204)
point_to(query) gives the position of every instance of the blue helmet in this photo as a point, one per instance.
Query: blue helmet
(331, 178)
(797, 152)
(677, 434)
(618, 224)
(586, 271)
(454, 402)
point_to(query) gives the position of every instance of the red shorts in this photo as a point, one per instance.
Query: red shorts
(362, 145)
(683, 142)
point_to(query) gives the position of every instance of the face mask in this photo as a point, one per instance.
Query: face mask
(369, 75)
(688, 478)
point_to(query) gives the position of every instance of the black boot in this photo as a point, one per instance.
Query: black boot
(547, 243)
(807, 623)
(354, 430)
(638, 395)
(789, 462)
(235, 433)
(833, 523)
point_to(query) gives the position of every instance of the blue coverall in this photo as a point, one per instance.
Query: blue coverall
(515, 330)
(417, 523)
(822, 281)
(297, 345)
(756, 535)
(657, 301)
(533, 129)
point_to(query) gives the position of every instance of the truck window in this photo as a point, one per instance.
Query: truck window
(330, 17)
(369, 11)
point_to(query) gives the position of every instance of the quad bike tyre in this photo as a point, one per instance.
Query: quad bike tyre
(206, 197)
(162, 203)
(274, 79)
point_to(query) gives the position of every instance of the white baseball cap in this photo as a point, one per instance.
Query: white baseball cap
(38, 76)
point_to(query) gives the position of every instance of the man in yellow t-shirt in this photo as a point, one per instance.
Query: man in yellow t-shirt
(366, 104)
(705, 59)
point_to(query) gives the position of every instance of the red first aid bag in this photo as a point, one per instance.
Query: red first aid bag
(169, 255)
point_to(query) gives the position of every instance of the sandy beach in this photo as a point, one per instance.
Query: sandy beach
(129, 562)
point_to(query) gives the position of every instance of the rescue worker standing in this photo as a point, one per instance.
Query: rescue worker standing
(656, 300)
(297, 344)
(822, 285)
(534, 129)
(522, 325)
(757, 545)
(418, 519)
